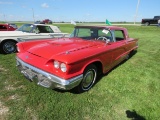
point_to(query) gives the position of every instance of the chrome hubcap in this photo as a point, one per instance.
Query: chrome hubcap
(89, 79)
(9, 47)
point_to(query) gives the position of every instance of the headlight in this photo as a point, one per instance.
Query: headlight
(63, 67)
(56, 64)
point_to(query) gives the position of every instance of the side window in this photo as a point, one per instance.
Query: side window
(119, 35)
(49, 29)
(44, 29)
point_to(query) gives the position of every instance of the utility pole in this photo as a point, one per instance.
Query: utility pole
(33, 14)
(4, 18)
(136, 12)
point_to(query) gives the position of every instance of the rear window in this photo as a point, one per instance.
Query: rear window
(119, 35)
(3, 27)
(44, 29)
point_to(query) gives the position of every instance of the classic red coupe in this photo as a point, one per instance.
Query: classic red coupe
(75, 62)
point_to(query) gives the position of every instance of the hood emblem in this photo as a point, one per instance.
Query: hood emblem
(67, 52)
(27, 57)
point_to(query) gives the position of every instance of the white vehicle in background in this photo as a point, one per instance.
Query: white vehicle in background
(27, 32)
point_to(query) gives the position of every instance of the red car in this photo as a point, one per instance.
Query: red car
(75, 62)
(7, 27)
(47, 21)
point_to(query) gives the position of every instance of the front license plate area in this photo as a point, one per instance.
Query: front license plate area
(45, 83)
(28, 74)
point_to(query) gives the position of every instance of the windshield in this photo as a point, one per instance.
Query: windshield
(91, 33)
(26, 28)
(30, 28)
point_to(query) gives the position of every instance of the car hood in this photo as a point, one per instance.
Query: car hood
(63, 46)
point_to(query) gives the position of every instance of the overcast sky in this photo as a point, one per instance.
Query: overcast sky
(78, 10)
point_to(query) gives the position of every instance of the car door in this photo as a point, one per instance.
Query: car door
(119, 47)
(108, 48)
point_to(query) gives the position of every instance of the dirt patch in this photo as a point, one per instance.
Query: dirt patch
(3, 69)
(10, 87)
(3, 111)
(13, 97)
(31, 114)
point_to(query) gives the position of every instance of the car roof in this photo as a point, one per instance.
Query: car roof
(41, 24)
(102, 27)
(3, 23)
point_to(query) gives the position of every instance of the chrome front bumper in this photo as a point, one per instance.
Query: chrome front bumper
(46, 79)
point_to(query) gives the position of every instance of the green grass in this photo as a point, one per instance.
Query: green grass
(132, 86)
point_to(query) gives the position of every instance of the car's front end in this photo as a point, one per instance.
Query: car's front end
(39, 65)
(46, 79)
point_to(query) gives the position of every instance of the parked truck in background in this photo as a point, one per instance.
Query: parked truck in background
(147, 22)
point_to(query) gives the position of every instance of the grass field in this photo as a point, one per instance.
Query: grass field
(130, 91)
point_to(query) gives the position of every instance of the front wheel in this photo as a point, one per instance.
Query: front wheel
(89, 78)
(8, 47)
